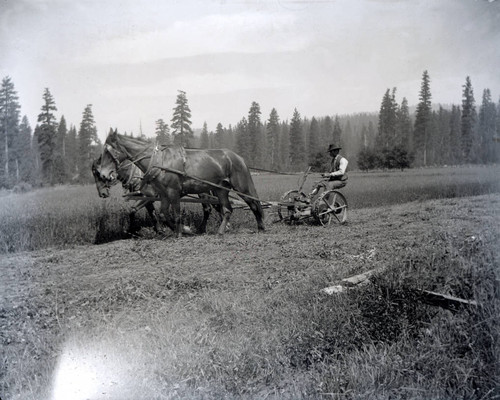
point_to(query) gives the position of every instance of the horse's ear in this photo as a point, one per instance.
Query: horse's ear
(111, 135)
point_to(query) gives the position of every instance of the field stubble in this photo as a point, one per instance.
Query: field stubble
(244, 317)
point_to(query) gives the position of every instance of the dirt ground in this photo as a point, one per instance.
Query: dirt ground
(47, 294)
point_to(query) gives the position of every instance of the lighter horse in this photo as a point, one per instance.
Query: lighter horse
(174, 172)
(131, 178)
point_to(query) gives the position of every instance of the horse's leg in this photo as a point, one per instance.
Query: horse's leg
(220, 216)
(257, 210)
(152, 214)
(176, 210)
(149, 205)
(206, 213)
(207, 209)
(173, 199)
(132, 225)
(165, 211)
(226, 209)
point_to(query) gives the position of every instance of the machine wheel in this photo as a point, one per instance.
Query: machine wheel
(286, 208)
(330, 208)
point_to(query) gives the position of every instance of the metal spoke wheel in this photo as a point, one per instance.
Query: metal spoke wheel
(286, 207)
(330, 208)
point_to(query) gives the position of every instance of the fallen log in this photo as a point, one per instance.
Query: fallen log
(425, 296)
(353, 281)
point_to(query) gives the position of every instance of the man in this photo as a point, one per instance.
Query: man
(337, 177)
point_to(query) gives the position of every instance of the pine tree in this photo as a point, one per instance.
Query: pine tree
(423, 117)
(455, 142)
(496, 138)
(433, 138)
(219, 136)
(372, 132)
(35, 148)
(284, 146)
(314, 140)
(254, 130)
(297, 143)
(229, 140)
(9, 132)
(404, 126)
(387, 122)
(441, 144)
(487, 128)
(350, 143)
(71, 153)
(27, 172)
(47, 137)
(204, 139)
(364, 137)
(88, 144)
(211, 140)
(181, 121)
(242, 139)
(337, 131)
(60, 168)
(326, 132)
(162, 133)
(273, 133)
(468, 124)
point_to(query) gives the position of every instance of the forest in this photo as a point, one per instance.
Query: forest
(56, 151)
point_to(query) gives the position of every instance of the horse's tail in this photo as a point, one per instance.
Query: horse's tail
(239, 174)
(241, 181)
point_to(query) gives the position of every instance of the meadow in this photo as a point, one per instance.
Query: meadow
(74, 215)
(245, 316)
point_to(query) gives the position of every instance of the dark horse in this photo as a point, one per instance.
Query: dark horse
(174, 172)
(131, 178)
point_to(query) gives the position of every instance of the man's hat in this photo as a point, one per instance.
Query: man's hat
(333, 147)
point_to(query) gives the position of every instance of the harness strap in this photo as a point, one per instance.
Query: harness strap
(150, 165)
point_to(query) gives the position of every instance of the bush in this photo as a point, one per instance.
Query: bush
(22, 187)
(394, 157)
(320, 163)
(368, 159)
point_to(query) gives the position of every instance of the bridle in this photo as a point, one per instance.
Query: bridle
(115, 154)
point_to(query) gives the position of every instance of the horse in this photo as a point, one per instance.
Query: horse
(175, 171)
(131, 178)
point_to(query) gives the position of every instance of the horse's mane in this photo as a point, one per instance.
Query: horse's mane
(137, 141)
(141, 141)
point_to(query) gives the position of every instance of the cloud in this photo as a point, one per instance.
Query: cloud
(249, 32)
(195, 84)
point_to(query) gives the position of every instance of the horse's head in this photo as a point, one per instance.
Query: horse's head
(110, 159)
(101, 184)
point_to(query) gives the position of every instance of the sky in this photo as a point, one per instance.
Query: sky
(129, 58)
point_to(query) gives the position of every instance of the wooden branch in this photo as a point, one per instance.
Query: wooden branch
(441, 300)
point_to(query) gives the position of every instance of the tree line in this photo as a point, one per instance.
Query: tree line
(395, 137)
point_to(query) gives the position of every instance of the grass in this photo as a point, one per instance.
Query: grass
(75, 215)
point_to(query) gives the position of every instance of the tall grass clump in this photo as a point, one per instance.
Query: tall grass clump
(62, 216)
